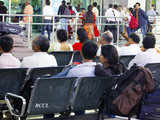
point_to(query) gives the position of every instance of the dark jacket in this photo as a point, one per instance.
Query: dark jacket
(142, 17)
(104, 71)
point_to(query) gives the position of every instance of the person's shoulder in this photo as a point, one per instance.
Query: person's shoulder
(28, 58)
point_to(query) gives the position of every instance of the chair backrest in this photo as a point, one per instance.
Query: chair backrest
(77, 57)
(47, 71)
(89, 92)
(155, 69)
(125, 60)
(35, 73)
(11, 80)
(50, 95)
(63, 58)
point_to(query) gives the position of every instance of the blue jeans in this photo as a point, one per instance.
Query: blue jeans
(47, 27)
(129, 31)
(144, 29)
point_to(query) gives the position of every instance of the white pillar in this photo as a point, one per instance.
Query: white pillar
(9, 9)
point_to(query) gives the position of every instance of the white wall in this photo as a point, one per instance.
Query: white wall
(131, 3)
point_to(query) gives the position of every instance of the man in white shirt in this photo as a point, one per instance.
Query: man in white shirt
(40, 58)
(150, 54)
(87, 69)
(113, 18)
(132, 48)
(107, 38)
(7, 60)
(48, 13)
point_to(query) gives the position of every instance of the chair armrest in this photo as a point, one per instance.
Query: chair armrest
(11, 108)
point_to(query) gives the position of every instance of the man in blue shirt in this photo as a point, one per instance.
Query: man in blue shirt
(142, 18)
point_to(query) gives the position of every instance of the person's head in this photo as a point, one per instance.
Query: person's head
(149, 41)
(110, 6)
(153, 6)
(1, 3)
(89, 50)
(28, 2)
(116, 6)
(82, 35)
(68, 4)
(40, 44)
(63, 2)
(70, 7)
(90, 8)
(134, 39)
(109, 55)
(120, 7)
(95, 4)
(83, 10)
(6, 44)
(107, 38)
(48, 2)
(62, 35)
(137, 5)
(130, 10)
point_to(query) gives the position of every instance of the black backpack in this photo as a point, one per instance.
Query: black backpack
(124, 98)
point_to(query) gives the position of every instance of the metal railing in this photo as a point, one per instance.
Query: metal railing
(101, 23)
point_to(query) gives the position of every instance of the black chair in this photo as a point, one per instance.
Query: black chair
(33, 74)
(47, 97)
(155, 69)
(77, 58)
(125, 60)
(63, 58)
(11, 80)
(89, 92)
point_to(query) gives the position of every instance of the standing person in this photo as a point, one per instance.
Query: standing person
(122, 15)
(47, 12)
(95, 9)
(152, 17)
(81, 18)
(3, 10)
(142, 18)
(64, 10)
(112, 14)
(89, 23)
(28, 10)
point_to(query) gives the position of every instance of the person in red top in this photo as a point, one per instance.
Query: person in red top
(82, 36)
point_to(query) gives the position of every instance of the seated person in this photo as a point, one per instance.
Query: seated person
(82, 36)
(40, 58)
(110, 60)
(7, 60)
(132, 47)
(106, 39)
(62, 44)
(149, 54)
(87, 68)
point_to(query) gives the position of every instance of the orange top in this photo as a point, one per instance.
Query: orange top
(28, 10)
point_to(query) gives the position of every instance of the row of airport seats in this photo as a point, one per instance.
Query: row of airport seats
(66, 58)
(52, 95)
(49, 95)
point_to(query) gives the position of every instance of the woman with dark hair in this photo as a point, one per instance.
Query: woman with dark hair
(82, 36)
(89, 21)
(110, 60)
(62, 44)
